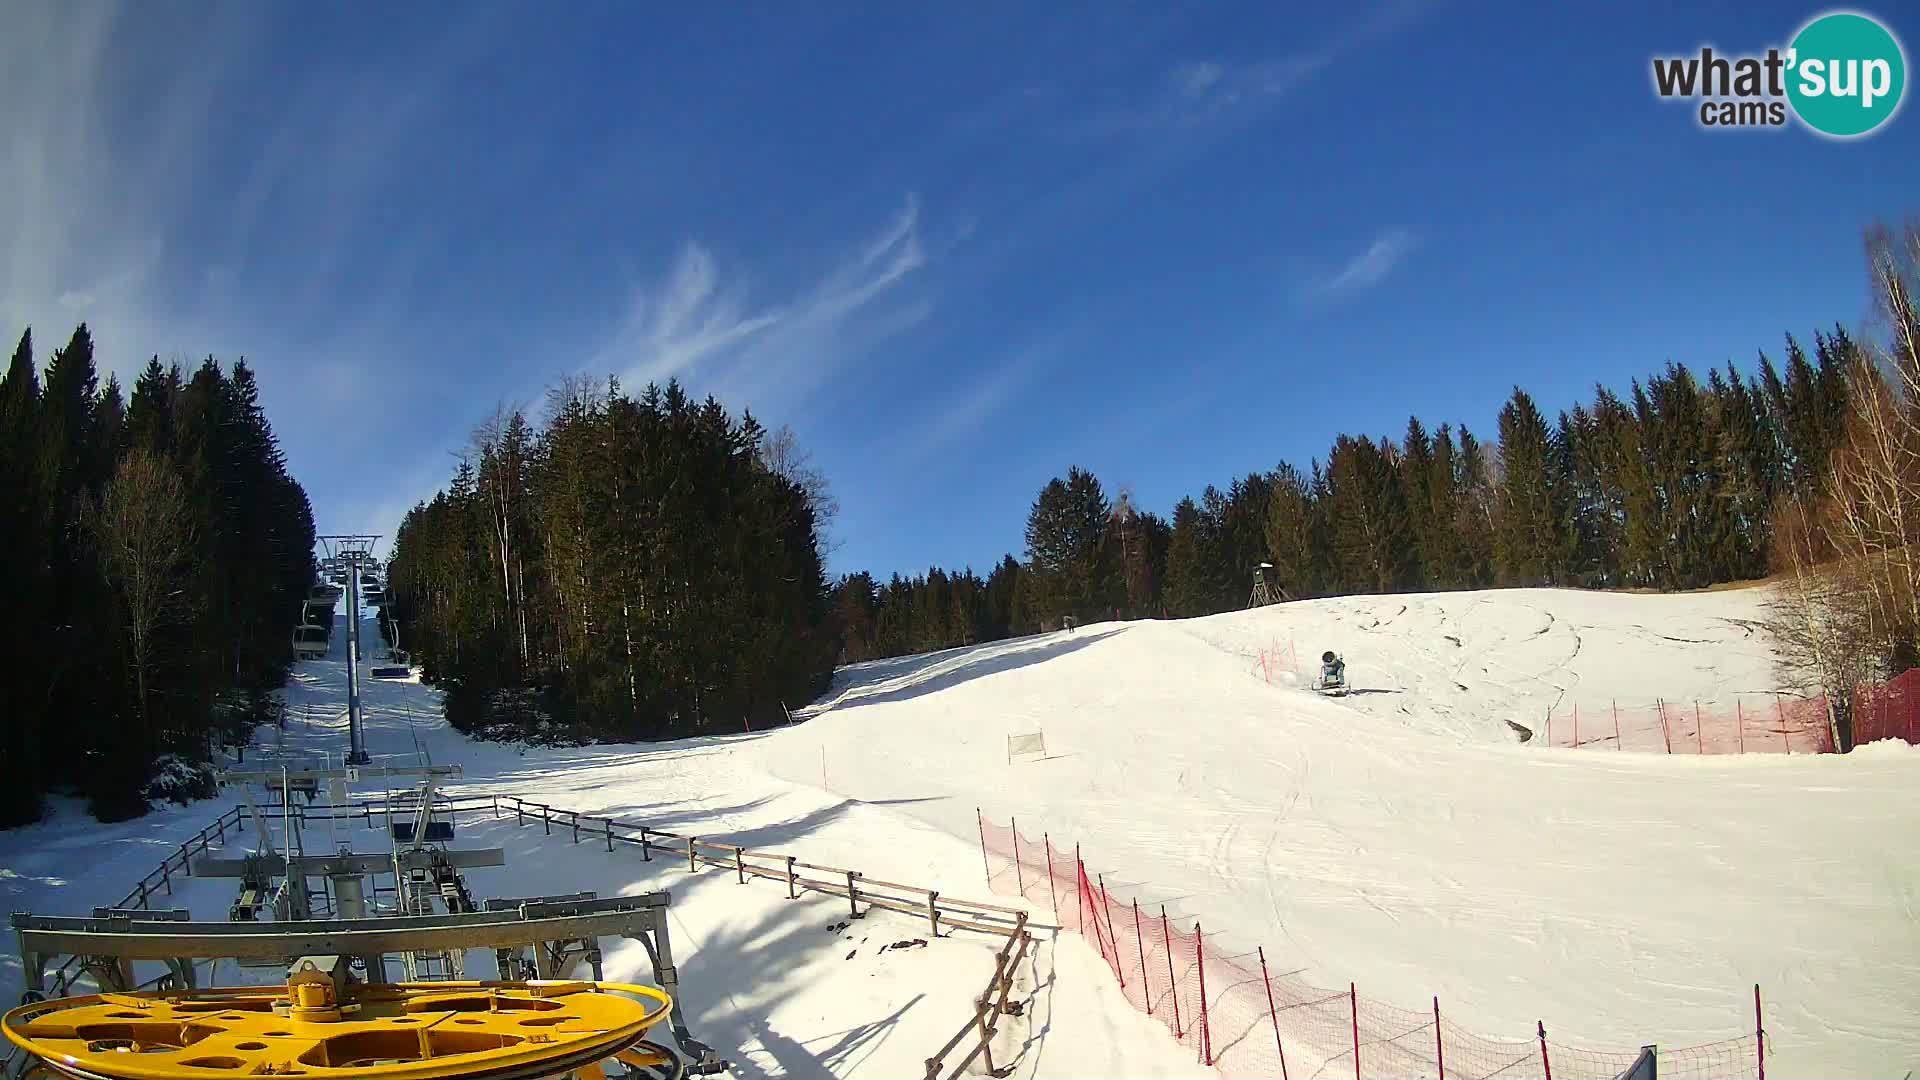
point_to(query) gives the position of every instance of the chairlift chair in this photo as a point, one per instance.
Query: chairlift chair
(310, 640)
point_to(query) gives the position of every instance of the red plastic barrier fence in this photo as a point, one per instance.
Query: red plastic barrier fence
(1277, 660)
(1235, 1012)
(1888, 711)
(1750, 724)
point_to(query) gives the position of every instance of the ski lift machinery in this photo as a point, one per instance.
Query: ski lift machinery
(549, 1015)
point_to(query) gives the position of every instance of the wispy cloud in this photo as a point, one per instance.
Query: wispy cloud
(1196, 94)
(702, 326)
(967, 412)
(236, 239)
(1368, 268)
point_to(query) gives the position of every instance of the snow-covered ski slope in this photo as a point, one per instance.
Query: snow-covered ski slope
(1398, 838)
(1401, 838)
(782, 988)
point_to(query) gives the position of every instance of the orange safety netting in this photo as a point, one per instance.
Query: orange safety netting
(1235, 1012)
(1746, 725)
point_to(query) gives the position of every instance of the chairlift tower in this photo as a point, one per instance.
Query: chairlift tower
(356, 549)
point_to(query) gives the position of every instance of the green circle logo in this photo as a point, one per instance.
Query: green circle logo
(1846, 74)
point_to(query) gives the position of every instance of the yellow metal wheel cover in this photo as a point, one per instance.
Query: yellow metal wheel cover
(401, 1031)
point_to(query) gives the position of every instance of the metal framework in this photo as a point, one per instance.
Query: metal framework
(553, 927)
(357, 550)
(321, 1023)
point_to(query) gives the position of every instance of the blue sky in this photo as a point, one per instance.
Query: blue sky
(956, 247)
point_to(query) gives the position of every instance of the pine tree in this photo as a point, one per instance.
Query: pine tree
(574, 563)
(1002, 585)
(1752, 467)
(1449, 565)
(25, 547)
(1368, 514)
(1293, 538)
(1530, 518)
(1477, 502)
(150, 414)
(1130, 538)
(1243, 536)
(1195, 578)
(1578, 465)
(1416, 478)
(1066, 529)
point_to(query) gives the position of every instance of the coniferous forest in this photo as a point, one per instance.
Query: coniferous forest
(1672, 486)
(1803, 463)
(630, 568)
(158, 553)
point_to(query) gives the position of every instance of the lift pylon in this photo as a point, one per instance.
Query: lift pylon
(356, 549)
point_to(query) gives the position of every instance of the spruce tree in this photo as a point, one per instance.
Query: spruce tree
(1476, 491)
(1530, 519)
(1446, 555)
(1195, 579)
(1416, 478)
(1066, 530)
(1292, 537)
(25, 547)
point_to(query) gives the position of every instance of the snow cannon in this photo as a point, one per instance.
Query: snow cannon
(1333, 675)
(325, 1027)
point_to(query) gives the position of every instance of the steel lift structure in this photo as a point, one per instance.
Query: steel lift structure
(355, 550)
(319, 918)
(326, 1022)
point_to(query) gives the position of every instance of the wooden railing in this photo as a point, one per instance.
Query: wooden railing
(987, 1011)
(838, 881)
(861, 892)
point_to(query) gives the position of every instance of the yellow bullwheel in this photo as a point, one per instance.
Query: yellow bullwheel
(314, 1028)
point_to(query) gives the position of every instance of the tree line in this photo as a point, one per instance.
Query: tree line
(158, 552)
(1847, 612)
(1675, 485)
(630, 567)
(1808, 465)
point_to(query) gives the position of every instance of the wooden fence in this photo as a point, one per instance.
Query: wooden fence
(862, 893)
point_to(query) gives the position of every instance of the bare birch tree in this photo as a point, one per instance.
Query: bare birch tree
(781, 452)
(1849, 609)
(144, 529)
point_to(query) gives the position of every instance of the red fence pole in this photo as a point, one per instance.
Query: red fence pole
(1549, 726)
(1353, 1004)
(1274, 1014)
(1439, 1049)
(1740, 723)
(1699, 733)
(1545, 1064)
(1166, 933)
(1576, 725)
(1200, 958)
(1019, 880)
(1664, 733)
(1046, 845)
(1759, 1035)
(1780, 714)
(984, 865)
(1913, 713)
(1086, 892)
(1146, 984)
(1118, 971)
(1616, 725)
